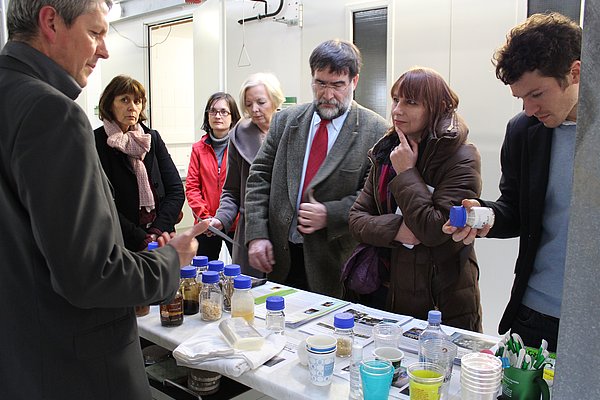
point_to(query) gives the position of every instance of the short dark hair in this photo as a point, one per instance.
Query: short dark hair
(22, 15)
(337, 56)
(121, 84)
(549, 43)
(427, 86)
(233, 109)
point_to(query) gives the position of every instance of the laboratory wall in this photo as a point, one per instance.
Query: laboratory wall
(455, 37)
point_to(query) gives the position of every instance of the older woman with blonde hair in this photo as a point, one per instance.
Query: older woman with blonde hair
(260, 97)
(421, 167)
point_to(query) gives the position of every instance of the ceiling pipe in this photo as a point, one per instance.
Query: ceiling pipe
(266, 15)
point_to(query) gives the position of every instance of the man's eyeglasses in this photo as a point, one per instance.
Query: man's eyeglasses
(223, 113)
(336, 86)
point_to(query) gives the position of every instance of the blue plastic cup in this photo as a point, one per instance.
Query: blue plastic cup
(376, 378)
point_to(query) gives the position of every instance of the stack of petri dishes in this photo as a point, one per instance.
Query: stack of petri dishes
(480, 376)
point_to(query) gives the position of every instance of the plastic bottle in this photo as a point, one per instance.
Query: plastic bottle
(355, 381)
(242, 301)
(172, 314)
(344, 332)
(190, 290)
(475, 218)
(432, 331)
(230, 272)
(211, 298)
(275, 319)
(140, 311)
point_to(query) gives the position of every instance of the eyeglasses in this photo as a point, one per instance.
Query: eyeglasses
(336, 86)
(223, 113)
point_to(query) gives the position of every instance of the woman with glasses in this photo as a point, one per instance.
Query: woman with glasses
(147, 187)
(260, 97)
(422, 166)
(208, 167)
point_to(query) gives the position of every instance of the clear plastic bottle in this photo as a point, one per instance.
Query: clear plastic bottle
(432, 331)
(344, 332)
(211, 298)
(190, 290)
(230, 272)
(172, 314)
(475, 218)
(275, 319)
(355, 381)
(140, 311)
(242, 301)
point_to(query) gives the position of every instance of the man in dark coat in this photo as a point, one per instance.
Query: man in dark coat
(68, 284)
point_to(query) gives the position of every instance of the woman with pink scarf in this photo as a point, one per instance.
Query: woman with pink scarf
(147, 189)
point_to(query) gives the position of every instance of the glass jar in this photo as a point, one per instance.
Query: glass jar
(140, 311)
(201, 264)
(218, 266)
(211, 299)
(190, 290)
(242, 301)
(230, 272)
(172, 314)
(344, 325)
(275, 319)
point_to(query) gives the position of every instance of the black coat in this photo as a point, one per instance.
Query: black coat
(164, 178)
(525, 160)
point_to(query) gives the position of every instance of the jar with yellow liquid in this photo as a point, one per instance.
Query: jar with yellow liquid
(242, 301)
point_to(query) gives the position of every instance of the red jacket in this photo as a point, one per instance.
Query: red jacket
(204, 181)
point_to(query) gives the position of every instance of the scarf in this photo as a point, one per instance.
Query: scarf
(135, 144)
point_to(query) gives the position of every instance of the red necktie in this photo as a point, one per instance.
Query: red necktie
(318, 151)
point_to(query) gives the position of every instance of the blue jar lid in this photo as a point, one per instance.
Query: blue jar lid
(242, 282)
(232, 270)
(210, 277)
(275, 303)
(434, 317)
(188, 271)
(458, 216)
(343, 320)
(215, 265)
(199, 261)
(152, 246)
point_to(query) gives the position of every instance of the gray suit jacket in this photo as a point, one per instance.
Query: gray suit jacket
(274, 182)
(68, 285)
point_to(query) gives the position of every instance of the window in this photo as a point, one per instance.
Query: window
(570, 8)
(370, 36)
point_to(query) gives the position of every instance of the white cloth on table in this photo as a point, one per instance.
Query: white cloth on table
(208, 350)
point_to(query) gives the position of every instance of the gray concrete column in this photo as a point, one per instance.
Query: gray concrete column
(578, 355)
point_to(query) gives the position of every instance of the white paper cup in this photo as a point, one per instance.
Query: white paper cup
(316, 344)
(391, 354)
(320, 367)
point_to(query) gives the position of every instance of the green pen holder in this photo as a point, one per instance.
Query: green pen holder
(519, 384)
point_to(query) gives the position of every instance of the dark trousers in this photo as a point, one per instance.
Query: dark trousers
(534, 326)
(210, 246)
(297, 276)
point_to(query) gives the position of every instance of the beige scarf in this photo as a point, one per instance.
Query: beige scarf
(135, 144)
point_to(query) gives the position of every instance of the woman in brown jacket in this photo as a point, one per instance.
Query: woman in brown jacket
(420, 168)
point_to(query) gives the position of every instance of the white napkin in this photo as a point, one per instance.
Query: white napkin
(209, 350)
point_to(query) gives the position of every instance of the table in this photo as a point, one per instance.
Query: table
(290, 381)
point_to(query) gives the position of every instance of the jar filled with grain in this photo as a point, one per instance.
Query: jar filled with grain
(211, 297)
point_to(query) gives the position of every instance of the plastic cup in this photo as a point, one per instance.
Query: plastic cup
(480, 376)
(376, 376)
(391, 354)
(386, 335)
(442, 353)
(425, 381)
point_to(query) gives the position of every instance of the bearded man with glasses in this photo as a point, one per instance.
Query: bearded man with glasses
(307, 175)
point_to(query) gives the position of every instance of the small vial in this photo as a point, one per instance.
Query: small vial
(275, 319)
(242, 301)
(475, 218)
(344, 325)
(355, 381)
(190, 290)
(230, 272)
(211, 299)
